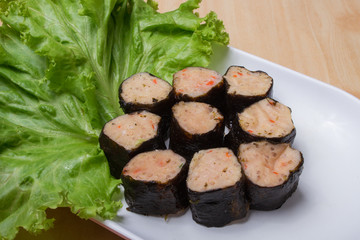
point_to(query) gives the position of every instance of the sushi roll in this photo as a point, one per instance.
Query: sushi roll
(195, 126)
(244, 87)
(144, 91)
(266, 119)
(154, 183)
(199, 85)
(127, 135)
(216, 190)
(272, 173)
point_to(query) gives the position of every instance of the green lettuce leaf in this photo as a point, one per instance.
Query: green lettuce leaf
(61, 63)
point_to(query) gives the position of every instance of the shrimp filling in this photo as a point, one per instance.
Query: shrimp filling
(131, 130)
(196, 117)
(214, 168)
(267, 118)
(144, 88)
(247, 83)
(195, 81)
(159, 165)
(266, 164)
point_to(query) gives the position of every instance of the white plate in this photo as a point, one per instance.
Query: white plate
(326, 204)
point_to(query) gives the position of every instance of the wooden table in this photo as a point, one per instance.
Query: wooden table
(319, 38)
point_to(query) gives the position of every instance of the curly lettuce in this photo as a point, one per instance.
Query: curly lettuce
(61, 63)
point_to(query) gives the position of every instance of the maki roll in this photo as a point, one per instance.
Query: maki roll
(130, 134)
(195, 126)
(266, 119)
(144, 91)
(244, 87)
(216, 190)
(272, 173)
(154, 183)
(199, 85)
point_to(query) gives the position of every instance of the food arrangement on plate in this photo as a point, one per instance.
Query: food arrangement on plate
(219, 176)
(60, 70)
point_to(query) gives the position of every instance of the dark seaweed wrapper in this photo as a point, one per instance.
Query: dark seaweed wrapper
(159, 107)
(237, 135)
(186, 144)
(153, 198)
(219, 207)
(117, 156)
(271, 198)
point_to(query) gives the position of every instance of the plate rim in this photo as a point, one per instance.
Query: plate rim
(311, 79)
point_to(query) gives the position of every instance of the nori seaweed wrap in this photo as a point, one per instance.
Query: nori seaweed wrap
(198, 84)
(266, 119)
(272, 173)
(216, 188)
(195, 126)
(144, 91)
(154, 183)
(130, 134)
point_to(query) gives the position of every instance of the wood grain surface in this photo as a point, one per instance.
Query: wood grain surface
(319, 38)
